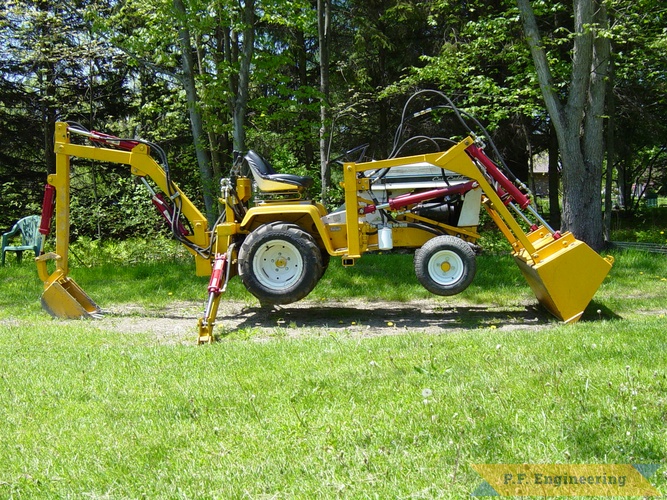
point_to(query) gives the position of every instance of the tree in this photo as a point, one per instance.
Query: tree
(52, 69)
(187, 78)
(324, 36)
(204, 77)
(484, 66)
(579, 122)
(638, 104)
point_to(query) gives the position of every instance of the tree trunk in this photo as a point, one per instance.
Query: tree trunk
(306, 115)
(49, 121)
(624, 186)
(611, 151)
(578, 124)
(213, 142)
(554, 180)
(323, 22)
(46, 76)
(242, 90)
(196, 122)
(593, 138)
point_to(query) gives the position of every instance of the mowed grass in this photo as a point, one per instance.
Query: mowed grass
(88, 413)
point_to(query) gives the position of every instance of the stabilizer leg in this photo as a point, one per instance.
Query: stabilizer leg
(207, 323)
(215, 289)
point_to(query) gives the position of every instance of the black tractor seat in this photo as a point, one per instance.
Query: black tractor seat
(269, 180)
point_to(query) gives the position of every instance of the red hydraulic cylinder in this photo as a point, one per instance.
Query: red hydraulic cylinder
(47, 209)
(112, 140)
(411, 199)
(479, 154)
(167, 212)
(219, 265)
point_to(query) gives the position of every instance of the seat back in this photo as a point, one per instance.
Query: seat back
(268, 181)
(29, 227)
(258, 165)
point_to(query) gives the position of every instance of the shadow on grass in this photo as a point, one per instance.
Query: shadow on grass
(383, 318)
(597, 312)
(239, 320)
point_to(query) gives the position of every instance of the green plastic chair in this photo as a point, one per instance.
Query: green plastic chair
(31, 238)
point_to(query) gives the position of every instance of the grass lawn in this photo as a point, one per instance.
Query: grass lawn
(88, 413)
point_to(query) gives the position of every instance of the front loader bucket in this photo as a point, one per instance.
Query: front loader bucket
(63, 298)
(564, 275)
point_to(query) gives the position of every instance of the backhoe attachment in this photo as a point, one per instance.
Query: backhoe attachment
(217, 284)
(62, 297)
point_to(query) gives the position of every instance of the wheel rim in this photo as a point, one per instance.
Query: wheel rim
(277, 265)
(446, 267)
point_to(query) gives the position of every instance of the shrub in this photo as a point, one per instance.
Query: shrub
(94, 252)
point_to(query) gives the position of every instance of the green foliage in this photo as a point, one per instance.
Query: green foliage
(116, 67)
(647, 225)
(121, 208)
(481, 62)
(19, 200)
(155, 250)
(642, 236)
(52, 68)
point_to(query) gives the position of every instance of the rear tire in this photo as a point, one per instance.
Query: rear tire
(326, 258)
(445, 265)
(279, 263)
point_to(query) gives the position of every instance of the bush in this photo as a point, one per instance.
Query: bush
(647, 225)
(91, 252)
(123, 210)
(654, 235)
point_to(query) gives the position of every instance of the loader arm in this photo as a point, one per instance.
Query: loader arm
(456, 159)
(62, 297)
(563, 272)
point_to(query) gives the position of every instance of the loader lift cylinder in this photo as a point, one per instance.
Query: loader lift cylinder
(514, 193)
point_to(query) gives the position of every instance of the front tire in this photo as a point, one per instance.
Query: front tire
(279, 263)
(445, 265)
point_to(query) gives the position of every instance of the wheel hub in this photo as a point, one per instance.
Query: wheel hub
(280, 262)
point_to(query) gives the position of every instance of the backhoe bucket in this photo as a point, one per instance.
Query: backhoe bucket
(63, 298)
(564, 275)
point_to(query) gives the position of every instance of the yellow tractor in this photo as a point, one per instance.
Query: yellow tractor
(279, 241)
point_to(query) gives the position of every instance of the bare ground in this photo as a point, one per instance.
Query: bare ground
(178, 322)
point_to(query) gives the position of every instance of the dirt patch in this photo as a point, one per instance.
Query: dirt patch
(178, 322)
